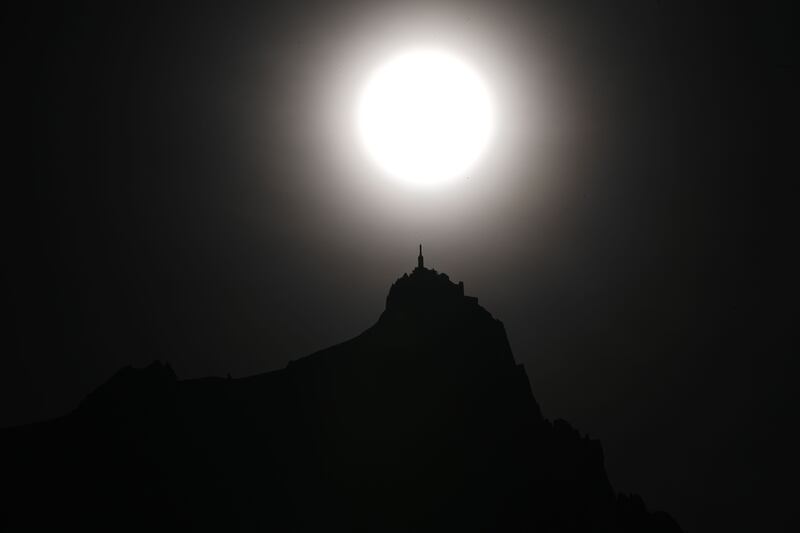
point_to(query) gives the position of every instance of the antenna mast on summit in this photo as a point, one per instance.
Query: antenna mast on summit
(420, 261)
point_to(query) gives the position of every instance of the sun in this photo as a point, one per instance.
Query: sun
(425, 116)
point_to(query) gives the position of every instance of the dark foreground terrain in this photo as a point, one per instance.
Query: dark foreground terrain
(424, 422)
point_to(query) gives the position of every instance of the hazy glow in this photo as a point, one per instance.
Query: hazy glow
(425, 116)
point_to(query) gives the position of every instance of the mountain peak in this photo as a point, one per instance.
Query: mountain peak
(426, 291)
(424, 422)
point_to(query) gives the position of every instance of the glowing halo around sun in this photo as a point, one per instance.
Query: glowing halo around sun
(425, 117)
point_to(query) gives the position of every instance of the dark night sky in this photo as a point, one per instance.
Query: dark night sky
(171, 194)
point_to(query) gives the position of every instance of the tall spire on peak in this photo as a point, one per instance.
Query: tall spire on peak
(420, 261)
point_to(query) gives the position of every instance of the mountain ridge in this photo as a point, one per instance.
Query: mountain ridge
(423, 422)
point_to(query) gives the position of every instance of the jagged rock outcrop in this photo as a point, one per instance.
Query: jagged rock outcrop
(424, 422)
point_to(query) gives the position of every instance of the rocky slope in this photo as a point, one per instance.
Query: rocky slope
(424, 422)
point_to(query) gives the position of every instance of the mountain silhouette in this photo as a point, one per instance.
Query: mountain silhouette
(424, 422)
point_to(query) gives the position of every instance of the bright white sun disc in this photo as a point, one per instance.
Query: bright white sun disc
(425, 116)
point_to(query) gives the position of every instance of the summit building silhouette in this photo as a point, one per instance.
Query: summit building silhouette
(424, 422)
